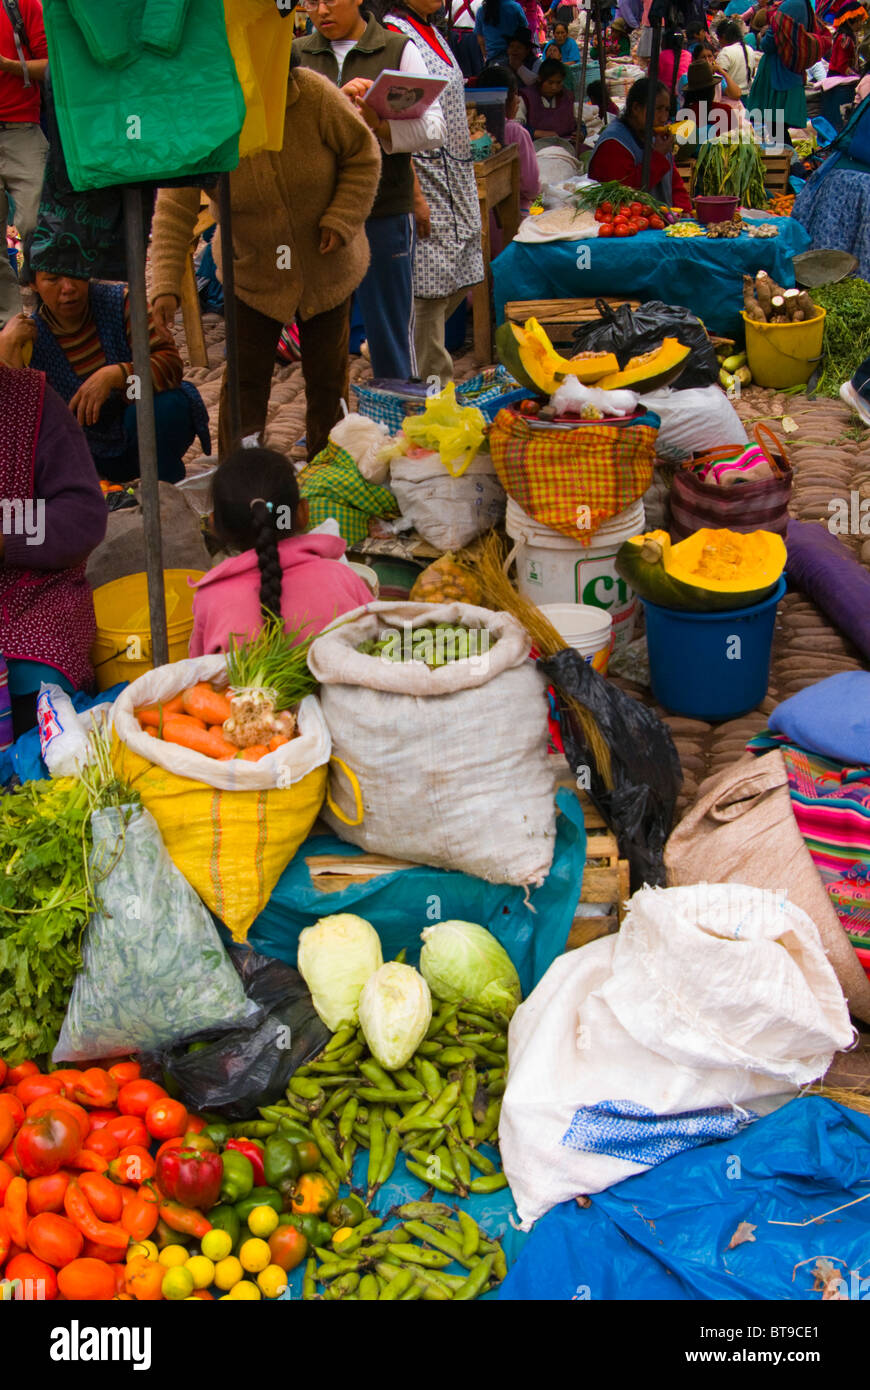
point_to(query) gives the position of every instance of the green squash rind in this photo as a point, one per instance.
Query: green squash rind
(508, 352)
(652, 582)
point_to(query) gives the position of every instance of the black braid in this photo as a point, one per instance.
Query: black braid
(266, 546)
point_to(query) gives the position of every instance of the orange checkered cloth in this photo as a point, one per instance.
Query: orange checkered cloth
(573, 480)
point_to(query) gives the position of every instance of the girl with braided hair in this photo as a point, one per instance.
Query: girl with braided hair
(735, 59)
(257, 511)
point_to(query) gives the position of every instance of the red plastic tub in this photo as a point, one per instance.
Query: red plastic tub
(715, 209)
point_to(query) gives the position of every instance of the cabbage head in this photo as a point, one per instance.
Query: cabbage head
(461, 960)
(336, 957)
(395, 1009)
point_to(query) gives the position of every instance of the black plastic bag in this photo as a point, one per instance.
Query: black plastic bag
(646, 766)
(240, 1069)
(629, 332)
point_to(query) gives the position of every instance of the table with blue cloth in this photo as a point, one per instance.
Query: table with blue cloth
(834, 208)
(703, 274)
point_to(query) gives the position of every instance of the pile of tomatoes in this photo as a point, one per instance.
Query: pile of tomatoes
(627, 220)
(76, 1175)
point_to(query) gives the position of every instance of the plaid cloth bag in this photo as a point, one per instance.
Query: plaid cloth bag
(574, 479)
(759, 506)
(334, 487)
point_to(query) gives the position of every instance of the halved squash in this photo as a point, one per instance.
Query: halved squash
(709, 571)
(530, 357)
(650, 370)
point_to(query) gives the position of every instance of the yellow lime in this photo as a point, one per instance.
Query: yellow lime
(246, 1292)
(255, 1255)
(271, 1281)
(177, 1284)
(217, 1244)
(227, 1272)
(171, 1256)
(201, 1270)
(342, 1234)
(147, 1248)
(262, 1221)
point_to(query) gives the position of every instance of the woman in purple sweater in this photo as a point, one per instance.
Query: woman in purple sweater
(549, 106)
(52, 515)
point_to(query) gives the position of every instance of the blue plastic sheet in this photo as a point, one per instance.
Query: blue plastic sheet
(495, 1214)
(399, 905)
(703, 274)
(24, 759)
(664, 1234)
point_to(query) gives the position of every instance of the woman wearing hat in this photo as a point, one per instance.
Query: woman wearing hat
(844, 54)
(618, 152)
(713, 117)
(795, 41)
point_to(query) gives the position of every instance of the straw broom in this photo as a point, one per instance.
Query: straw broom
(500, 594)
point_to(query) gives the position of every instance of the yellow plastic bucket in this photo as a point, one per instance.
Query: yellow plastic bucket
(122, 650)
(783, 354)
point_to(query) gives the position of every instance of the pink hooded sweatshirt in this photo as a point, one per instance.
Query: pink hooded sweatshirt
(315, 589)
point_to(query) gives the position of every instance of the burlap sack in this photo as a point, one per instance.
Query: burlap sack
(741, 830)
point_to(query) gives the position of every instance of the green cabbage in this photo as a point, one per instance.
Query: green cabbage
(336, 957)
(395, 1009)
(461, 960)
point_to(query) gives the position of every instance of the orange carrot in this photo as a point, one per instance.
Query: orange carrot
(151, 732)
(206, 704)
(254, 753)
(187, 721)
(189, 734)
(277, 741)
(150, 714)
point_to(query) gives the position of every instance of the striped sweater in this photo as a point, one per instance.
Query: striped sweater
(85, 354)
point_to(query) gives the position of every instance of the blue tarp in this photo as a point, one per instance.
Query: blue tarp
(703, 274)
(401, 904)
(664, 1234)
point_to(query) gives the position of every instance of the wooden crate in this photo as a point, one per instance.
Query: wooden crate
(776, 172)
(561, 316)
(605, 876)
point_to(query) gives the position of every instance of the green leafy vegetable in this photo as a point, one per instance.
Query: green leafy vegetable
(732, 167)
(847, 331)
(273, 661)
(616, 194)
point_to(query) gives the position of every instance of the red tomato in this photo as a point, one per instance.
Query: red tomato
(47, 1194)
(134, 1164)
(109, 1254)
(47, 1142)
(128, 1129)
(54, 1239)
(11, 1115)
(45, 1103)
(605, 229)
(104, 1143)
(643, 224)
(136, 1096)
(3, 1071)
(605, 207)
(166, 1119)
(656, 223)
(196, 1124)
(16, 1074)
(104, 1196)
(124, 1072)
(635, 209)
(32, 1087)
(100, 1118)
(6, 1176)
(38, 1280)
(8, 1157)
(622, 229)
(87, 1280)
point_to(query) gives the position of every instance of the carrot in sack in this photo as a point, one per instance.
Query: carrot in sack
(254, 753)
(190, 734)
(206, 704)
(277, 741)
(151, 714)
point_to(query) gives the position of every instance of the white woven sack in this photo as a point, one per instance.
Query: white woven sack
(451, 763)
(448, 512)
(286, 766)
(712, 1006)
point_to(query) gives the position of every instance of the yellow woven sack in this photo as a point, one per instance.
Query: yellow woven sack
(230, 827)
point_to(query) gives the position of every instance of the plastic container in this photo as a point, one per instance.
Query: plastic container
(780, 355)
(588, 630)
(552, 568)
(122, 649)
(715, 208)
(711, 666)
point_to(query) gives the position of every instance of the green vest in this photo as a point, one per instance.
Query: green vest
(375, 51)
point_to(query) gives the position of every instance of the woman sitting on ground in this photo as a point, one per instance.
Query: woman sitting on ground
(549, 106)
(618, 152)
(257, 511)
(83, 345)
(56, 516)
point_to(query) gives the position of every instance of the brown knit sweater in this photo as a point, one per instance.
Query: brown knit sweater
(325, 176)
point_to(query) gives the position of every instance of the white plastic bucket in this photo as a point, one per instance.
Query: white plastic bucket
(588, 630)
(552, 568)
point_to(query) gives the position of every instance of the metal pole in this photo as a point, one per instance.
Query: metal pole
(145, 425)
(584, 62)
(230, 328)
(653, 72)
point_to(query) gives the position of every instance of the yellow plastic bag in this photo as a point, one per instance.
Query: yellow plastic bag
(260, 40)
(230, 827)
(455, 431)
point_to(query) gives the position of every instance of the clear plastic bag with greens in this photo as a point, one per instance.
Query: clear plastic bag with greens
(154, 968)
(455, 432)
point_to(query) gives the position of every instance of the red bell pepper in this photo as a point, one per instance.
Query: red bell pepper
(254, 1152)
(190, 1177)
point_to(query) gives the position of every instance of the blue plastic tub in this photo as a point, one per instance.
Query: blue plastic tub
(711, 666)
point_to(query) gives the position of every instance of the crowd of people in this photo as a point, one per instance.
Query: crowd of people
(379, 218)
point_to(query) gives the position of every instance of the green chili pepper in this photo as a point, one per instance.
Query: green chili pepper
(259, 1197)
(281, 1166)
(218, 1133)
(238, 1176)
